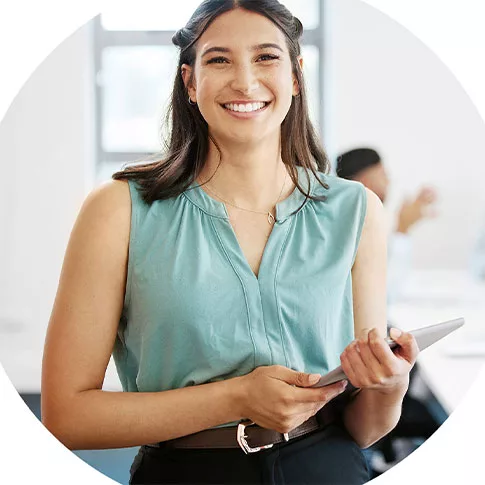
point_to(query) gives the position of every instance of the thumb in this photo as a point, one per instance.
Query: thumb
(300, 379)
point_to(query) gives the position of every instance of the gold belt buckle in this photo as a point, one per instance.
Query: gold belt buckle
(241, 438)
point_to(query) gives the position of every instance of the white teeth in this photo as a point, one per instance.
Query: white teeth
(245, 108)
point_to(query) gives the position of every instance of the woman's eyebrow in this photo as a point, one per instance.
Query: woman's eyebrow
(258, 47)
(267, 45)
(215, 49)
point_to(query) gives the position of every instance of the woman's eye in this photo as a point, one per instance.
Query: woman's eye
(267, 57)
(217, 60)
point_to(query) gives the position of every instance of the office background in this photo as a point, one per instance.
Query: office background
(380, 86)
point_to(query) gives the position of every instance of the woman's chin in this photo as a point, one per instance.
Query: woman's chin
(247, 137)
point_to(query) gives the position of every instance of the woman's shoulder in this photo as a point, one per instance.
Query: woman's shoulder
(339, 183)
(102, 227)
(335, 188)
(113, 194)
(108, 205)
(353, 196)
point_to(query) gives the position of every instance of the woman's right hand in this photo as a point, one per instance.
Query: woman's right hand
(279, 398)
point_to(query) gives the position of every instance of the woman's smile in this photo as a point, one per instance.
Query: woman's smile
(245, 109)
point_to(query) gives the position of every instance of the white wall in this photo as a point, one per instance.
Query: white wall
(47, 162)
(385, 89)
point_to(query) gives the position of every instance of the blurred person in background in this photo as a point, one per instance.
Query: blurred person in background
(365, 165)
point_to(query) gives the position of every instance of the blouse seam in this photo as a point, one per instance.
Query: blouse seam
(124, 380)
(263, 317)
(243, 288)
(133, 228)
(129, 277)
(283, 246)
(360, 228)
(361, 222)
(202, 209)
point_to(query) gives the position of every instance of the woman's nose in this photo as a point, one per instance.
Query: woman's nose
(245, 79)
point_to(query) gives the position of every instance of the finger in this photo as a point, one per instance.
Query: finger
(378, 371)
(348, 368)
(333, 391)
(352, 353)
(409, 349)
(368, 358)
(380, 348)
(365, 374)
(320, 394)
(389, 364)
(294, 378)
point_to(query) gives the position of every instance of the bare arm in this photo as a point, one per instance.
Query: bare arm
(80, 339)
(415, 209)
(368, 362)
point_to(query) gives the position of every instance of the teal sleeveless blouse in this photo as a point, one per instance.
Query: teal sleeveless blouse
(194, 311)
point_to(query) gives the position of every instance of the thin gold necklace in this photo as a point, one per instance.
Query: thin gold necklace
(268, 214)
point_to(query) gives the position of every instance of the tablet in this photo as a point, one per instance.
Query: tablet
(424, 336)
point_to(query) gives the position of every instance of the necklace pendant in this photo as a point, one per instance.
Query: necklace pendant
(271, 219)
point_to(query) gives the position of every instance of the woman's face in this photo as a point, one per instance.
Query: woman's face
(242, 78)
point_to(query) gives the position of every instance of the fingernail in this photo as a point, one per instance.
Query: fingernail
(314, 377)
(344, 384)
(395, 333)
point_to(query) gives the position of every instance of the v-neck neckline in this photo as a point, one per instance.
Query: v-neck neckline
(284, 210)
(239, 249)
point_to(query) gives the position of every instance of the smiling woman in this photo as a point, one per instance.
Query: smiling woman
(225, 278)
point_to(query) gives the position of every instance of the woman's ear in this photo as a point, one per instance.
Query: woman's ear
(188, 79)
(300, 62)
(296, 86)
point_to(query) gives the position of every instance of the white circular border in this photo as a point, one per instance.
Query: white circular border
(30, 30)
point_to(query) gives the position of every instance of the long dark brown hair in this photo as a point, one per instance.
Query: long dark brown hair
(188, 143)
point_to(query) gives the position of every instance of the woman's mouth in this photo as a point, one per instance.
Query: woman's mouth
(246, 107)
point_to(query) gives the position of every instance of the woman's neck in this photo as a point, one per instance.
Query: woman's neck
(251, 177)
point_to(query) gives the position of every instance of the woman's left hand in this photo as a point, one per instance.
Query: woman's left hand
(369, 363)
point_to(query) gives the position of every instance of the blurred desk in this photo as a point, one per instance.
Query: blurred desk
(435, 296)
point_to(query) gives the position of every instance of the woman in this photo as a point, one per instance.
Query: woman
(223, 278)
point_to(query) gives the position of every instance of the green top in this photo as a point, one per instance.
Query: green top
(195, 312)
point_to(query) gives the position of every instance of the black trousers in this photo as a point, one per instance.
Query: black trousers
(324, 457)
